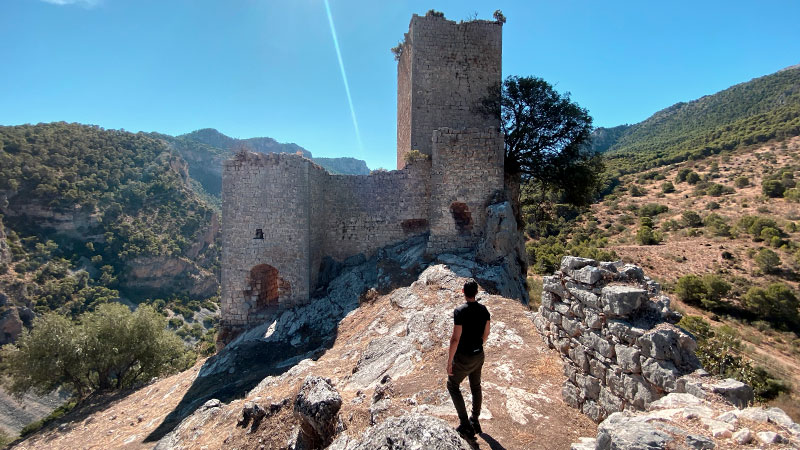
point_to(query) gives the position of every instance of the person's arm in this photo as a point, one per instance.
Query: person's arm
(486, 332)
(453, 346)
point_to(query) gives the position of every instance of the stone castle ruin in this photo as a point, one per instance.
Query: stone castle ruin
(283, 215)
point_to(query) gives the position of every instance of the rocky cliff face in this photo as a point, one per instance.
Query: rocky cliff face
(5, 252)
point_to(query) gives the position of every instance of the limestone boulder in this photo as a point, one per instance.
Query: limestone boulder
(409, 431)
(317, 406)
(736, 392)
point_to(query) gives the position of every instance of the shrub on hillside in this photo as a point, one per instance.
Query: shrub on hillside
(691, 219)
(652, 209)
(753, 225)
(741, 182)
(636, 191)
(772, 188)
(767, 260)
(717, 225)
(720, 353)
(110, 348)
(793, 195)
(716, 189)
(692, 178)
(647, 236)
(681, 176)
(667, 187)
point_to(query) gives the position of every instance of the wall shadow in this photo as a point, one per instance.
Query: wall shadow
(248, 363)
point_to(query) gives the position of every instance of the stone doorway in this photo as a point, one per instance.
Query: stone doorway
(462, 216)
(263, 285)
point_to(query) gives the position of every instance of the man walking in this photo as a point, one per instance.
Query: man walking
(465, 359)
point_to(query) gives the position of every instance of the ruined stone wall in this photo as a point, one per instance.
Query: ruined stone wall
(450, 67)
(466, 172)
(367, 212)
(269, 192)
(614, 331)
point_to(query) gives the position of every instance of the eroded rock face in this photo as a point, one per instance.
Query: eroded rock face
(503, 245)
(317, 406)
(5, 252)
(169, 274)
(614, 331)
(410, 431)
(10, 326)
(681, 420)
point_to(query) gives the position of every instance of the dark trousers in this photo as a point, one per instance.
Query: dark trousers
(466, 366)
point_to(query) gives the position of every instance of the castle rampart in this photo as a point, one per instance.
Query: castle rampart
(283, 215)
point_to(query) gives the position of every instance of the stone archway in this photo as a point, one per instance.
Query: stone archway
(263, 284)
(462, 216)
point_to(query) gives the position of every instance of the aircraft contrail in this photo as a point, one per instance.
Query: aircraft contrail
(344, 76)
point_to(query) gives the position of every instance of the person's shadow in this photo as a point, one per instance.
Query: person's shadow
(493, 444)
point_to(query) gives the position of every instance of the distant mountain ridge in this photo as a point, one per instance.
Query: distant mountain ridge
(748, 113)
(204, 150)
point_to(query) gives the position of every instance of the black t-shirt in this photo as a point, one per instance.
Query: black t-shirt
(472, 316)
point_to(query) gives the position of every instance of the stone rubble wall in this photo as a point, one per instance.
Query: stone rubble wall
(615, 332)
(444, 72)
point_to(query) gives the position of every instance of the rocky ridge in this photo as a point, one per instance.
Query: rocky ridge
(386, 363)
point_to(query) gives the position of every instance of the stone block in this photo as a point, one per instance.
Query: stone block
(628, 358)
(593, 411)
(569, 263)
(593, 319)
(588, 298)
(621, 300)
(553, 285)
(610, 402)
(736, 392)
(587, 275)
(661, 373)
(571, 394)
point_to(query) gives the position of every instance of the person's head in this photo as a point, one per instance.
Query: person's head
(470, 289)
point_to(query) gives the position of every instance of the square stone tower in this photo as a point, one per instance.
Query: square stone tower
(444, 71)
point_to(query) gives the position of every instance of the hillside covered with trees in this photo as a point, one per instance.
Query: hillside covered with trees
(749, 113)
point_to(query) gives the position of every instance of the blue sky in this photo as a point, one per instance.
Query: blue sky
(269, 68)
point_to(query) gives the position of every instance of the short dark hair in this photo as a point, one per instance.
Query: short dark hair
(471, 288)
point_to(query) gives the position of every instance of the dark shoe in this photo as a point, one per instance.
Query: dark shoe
(466, 431)
(475, 425)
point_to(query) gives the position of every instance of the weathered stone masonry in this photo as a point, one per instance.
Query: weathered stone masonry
(614, 331)
(304, 214)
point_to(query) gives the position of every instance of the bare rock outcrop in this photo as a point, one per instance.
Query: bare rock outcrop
(5, 252)
(317, 406)
(410, 431)
(615, 332)
(681, 420)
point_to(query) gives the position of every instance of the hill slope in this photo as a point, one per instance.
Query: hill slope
(748, 113)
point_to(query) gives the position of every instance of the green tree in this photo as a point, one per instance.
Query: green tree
(646, 236)
(110, 348)
(777, 303)
(547, 138)
(767, 260)
(692, 178)
(691, 289)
